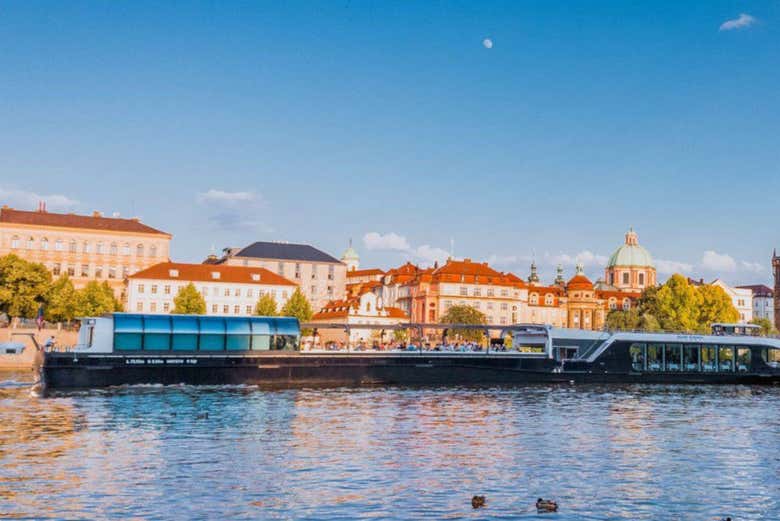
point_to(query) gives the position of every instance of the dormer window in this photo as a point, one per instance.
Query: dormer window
(215, 275)
(173, 273)
(255, 276)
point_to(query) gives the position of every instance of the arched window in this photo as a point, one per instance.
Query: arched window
(534, 299)
(30, 243)
(625, 278)
(153, 251)
(44, 243)
(113, 249)
(14, 242)
(59, 245)
(139, 250)
(72, 246)
(87, 248)
(126, 249)
(626, 304)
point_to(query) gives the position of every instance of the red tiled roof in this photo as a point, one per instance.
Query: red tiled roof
(70, 220)
(203, 273)
(579, 282)
(365, 273)
(341, 309)
(395, 312)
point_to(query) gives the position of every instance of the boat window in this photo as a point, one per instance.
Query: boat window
(708, 359)
(285, 343)
(286, 334)
(530, 349)
(743, 359)
(771, 357)
(238, 334)
(212, 334)
(127, 332)
(637, 352)
(157, 333)
(672, 357)
(726, 358)
(691, 358)
(654, 357)
(185, 333)
(261, 334)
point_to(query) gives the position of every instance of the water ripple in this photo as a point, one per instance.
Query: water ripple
(239, 452)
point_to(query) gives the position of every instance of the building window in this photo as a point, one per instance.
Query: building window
(73, 247)
(280, 268)
(59, 245)
(641, 279)
(225, 309)
(490, 305)
(504, 306)
(154, 289)
(99, 248)
(330, 292)
(153, 307)
(236, 310)
(331, 272)
(85, 270)
(238, 292)
(167, 289)
(125, 249)
(140, 288)
(249, 310)
(214, 308)
(313, 290)
(30, 243)
(139, 307)
(534, 299)
(477, 292)
(166, 306)
(548, 299)
(44, 243)
(113, 249)
(111, 272)
(297, 270)
(227, 292)
(56, 269)
(153, 251)
(626, 304)
(504, 292)
(464, 291)
(98, 272)
(139, 250)
(87, 248)
(313, 271)
(625, 278)
(71, 271)
(490, 292)
(14, 242)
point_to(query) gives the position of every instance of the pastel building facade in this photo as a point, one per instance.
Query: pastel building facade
(365, 308)
(84, 247)
(742, 298)
(227, 290)
(320, 276)
(763, 302)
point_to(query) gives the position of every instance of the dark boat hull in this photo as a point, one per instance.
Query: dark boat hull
(64, 370)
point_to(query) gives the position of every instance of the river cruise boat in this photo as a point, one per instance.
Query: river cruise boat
(123, 348)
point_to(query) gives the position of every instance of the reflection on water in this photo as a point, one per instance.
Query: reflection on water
(152, 452)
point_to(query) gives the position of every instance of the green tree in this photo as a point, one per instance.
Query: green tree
(400, 335)
(61, 305)
(266, 306)
(714, 306)
(298, 306)
(462, 314)
(189, 301)
(95, 299)
(677, 304)
(24, 286)
(766, 326)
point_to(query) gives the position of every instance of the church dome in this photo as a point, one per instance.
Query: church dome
(579, 280)
(350, 254)
(631, 253)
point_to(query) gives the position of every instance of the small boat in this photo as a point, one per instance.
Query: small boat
(125, 348)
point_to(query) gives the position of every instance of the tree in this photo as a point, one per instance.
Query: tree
(767, 328)
(266, 306)
(631, 320)
(462, 314)
(298, 306)
(677, 304)
(23, 286)
(95, 299)
(714, 306)
(189, 301)
(61, 305)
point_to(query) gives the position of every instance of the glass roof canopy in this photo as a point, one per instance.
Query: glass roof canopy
(205, 325)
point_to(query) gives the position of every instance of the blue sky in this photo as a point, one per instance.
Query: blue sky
(393, 124)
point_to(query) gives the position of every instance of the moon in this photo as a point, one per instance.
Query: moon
(487, 43)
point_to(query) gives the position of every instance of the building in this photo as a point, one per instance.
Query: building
(763, 301)
(85, 247)
(350, 258)
(355, 310)
(320, 276)
(227, 290)
(431, 292)
(631, 267)
(776, 292)
(742, 298)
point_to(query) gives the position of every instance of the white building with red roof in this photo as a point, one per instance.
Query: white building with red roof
(227, 290)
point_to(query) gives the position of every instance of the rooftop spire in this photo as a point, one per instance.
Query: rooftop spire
(632, 239)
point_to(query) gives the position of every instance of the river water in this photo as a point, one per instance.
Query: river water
(603, 452)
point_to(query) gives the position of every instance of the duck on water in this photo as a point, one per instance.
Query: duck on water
(124, 348)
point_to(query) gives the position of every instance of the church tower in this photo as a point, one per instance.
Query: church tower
(776, 293)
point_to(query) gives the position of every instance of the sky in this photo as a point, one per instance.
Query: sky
(499, 131)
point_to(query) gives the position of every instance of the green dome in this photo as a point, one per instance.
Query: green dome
(350, 254)
(631, 253)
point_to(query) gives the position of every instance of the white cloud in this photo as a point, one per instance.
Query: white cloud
(389, 241)
(430, 254)
(25, 200)
(670, 266)
(222, 197)
(755, 267)
(714, 261)
(586, 257)
(741, 22)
